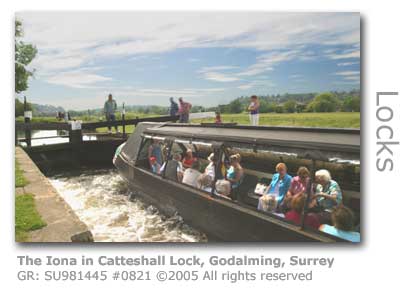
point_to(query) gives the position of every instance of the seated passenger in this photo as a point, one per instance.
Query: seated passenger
(280, 183)
(223, 188)
(297, 188)
(235, 173)
(188, 159)
(204, 182)
(191, 174)
(327, 197)
(343, 219)
(155, 167)
(155, 150)
(267, 203)
(211, 167)
(295, 214)
(173, 168)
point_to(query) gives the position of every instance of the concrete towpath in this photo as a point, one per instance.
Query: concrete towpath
(63, 225)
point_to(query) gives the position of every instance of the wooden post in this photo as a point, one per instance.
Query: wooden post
(75, 133)
(310, 190)
(27, 120)
(75, 136)
(123, 120)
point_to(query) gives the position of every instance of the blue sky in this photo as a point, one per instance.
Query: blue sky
(143, 58)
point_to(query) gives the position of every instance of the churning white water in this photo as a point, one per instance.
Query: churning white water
(100, 199)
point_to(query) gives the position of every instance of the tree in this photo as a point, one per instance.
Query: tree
(24, 54)
(290, 106)
(325, 102)
(352, 104)
(265, 107)
(235, 107)
(300, 108)
(279, 109)
(274, 106)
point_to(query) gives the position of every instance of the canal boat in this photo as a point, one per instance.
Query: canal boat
(237, 219)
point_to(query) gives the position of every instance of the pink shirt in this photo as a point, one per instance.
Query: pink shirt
(297, 185)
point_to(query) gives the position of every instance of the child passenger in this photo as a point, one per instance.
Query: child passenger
(188, 159)
(155, 166)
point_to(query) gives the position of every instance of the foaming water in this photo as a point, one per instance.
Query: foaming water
(100, 199)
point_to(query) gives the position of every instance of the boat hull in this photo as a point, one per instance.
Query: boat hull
(219, 219)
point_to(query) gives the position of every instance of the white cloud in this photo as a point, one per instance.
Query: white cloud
(347, 73)
(354, 77)
(95, 35)
(245, 86)
(349, 77)
(163, 92)
(266, 61)
(216, 68)
(219, 77)
(68, 42)
(257, 84)
(347, 63)
(77, 79)
(218, 73)
(347, 54)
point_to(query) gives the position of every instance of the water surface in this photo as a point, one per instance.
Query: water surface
(100, 199)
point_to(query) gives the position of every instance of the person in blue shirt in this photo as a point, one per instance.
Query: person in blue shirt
(174, 108)
(109, 111)
(280, 183)
(343, 220)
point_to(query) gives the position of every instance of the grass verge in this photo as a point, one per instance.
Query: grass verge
(20, 180)
(27, 217)
(335, 119)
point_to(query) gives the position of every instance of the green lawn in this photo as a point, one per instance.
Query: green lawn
(26, 217)
(335, 119)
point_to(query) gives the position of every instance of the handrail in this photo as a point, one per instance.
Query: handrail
(75, 135)
(90, 125)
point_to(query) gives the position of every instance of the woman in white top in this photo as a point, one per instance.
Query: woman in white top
(191, 175)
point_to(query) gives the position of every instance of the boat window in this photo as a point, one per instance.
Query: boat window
(152, 153)
(259, 167)
(263, 161)
(188, 170)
